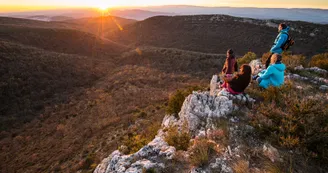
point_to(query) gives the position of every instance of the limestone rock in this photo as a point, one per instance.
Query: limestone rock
(198, 115)
(271, 152)
(323, 88)
(256, 66)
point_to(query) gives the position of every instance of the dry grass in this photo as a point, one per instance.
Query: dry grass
(288, 119)
(201, 151)
(94, 116)
(241, 166)
(179, 139)
(270, 167)
(320, 60)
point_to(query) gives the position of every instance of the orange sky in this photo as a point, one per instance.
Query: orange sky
(28, 5)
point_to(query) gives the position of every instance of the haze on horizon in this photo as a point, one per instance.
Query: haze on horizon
(32, 5)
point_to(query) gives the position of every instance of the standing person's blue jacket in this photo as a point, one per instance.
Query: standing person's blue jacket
(280, 40)
(273, 76)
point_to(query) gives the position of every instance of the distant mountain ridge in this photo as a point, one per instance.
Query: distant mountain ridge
(217, 33)
(141, 13)
(295, 14)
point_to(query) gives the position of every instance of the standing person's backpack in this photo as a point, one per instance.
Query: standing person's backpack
(289, 42)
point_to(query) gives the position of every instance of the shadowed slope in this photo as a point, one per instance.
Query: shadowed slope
(32, 79)
(61, 40)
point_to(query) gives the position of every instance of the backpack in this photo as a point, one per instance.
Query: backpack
(289, 42)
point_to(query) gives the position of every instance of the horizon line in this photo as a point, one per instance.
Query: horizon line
(57, 8)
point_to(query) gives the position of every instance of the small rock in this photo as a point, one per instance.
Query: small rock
(299, 67)
(323, 88)
(271, 152)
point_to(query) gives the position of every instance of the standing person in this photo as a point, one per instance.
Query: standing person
(230, 65)
(240, 82)
(274, 75)
(280, 40)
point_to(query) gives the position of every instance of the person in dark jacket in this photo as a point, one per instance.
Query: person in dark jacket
(279, 42)
(240, 82)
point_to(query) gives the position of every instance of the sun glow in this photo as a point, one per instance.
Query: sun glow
(102, 5)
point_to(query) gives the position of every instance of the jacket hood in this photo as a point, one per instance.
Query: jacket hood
(286, 29)
(280, 67)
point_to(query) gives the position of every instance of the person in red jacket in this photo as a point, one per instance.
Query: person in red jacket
(240, 82)
(230, 66)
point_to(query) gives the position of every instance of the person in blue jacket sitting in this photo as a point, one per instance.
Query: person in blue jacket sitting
(279, 42)
(274, 74)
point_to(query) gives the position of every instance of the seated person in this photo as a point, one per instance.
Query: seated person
(240, 82)
(230, 64)
(274, 74)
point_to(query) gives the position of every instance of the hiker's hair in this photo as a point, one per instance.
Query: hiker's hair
(283, 25)
(230, 51)
(245, 69)
(275, 58)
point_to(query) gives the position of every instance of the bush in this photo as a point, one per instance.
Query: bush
(247, 58)
(177, 99)
(277, 94)
(200, 152)
(180, 140)
(320, 60)
(220, 134)
(292, 61)
(288, 59)
(287, 118)
(134, 141)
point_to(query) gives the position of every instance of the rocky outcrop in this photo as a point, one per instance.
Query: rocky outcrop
(199, 116)
(313, 69)
(257, 66)
(314, 80)
(199, 113)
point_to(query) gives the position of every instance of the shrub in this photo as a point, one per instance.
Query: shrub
(180, 140)
(151, 170)
(287, 119)
(200, 152)
(221, 134)
(177, 99)
(175, 102)
(320, 60)
(270, 167)
(277, 94)
(247, 58)
(288, 59)
(292, 61)
(134, 141)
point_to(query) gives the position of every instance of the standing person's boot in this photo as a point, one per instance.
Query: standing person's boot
(267, 62)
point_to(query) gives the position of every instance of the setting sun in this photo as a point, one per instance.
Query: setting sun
(102, 5)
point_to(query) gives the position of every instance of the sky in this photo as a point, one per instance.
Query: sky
(29, 5)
